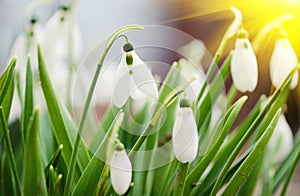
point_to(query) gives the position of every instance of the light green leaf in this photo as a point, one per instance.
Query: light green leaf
(244, 170)
(200, 167)
(7, 88)
(27, 111)
(33, 175)
(64, 127)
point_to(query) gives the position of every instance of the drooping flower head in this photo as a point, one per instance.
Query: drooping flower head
(120, 169)
(62, 38)
(185, 134)
(133, 78)
(283, 60)
(244, 64)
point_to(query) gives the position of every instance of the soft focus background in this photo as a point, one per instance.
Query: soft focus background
(204, 20)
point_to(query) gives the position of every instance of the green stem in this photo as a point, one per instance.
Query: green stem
(181, 178)
(10, 151)
(109, 43)
(55, 189)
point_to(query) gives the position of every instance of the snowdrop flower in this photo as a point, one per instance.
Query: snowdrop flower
(120, 170)
(133, 78)
(194, 51)
(244, 64)
(283, 60)
(281, 140)
(191, 66)
(59, 32)
(27, 44)
(24, 45)
(185, 134)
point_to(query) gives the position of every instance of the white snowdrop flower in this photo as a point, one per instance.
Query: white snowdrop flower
(244, 64)
(21, 48)
(133, 78)
(194, 51)
(283, 60)
(24, 45)
(120, 170)
(185, 134)
(281, 140)
(59, 32)
(188, 70)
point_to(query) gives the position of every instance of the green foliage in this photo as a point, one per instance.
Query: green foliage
(230, 158)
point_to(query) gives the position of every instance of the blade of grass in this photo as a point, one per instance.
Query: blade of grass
(7, 88)
(200, 167)
(290, 175)
(91, 175)
(33, 175)
(284, 167)
(244, 170)
(9, 151)
(64, 127)
(210, 179)
(274, 98)
(27, 110)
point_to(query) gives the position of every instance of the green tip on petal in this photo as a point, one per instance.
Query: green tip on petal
(282, 33)
(129, 58)
(184, 103)
(33, 20)
(242, 34)
(119, 146)
(64, 8)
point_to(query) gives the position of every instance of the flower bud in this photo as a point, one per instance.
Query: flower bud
(244, 65)
(185, 135)
(283, 60)
(120, 170)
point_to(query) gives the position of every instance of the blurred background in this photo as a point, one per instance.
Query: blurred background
(204, 20)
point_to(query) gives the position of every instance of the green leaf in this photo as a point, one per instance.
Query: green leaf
(248, 187)
(88, 182)
(27, 111)
(33, 178)
(7, 88)
(276, 98)
(9, 150)
(244, 170)
(200, 167)
(53, 162)
(7, 186)
(64, 127)
(225, 152)
(284, 167)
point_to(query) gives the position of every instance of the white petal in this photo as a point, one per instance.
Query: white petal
(283, 60)
(121, 85)
(135, 92)
(143, 77)
(120, 172)
(194, 51)
(189, 70)
(244, 66)
(185, 136)
(282, 139)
